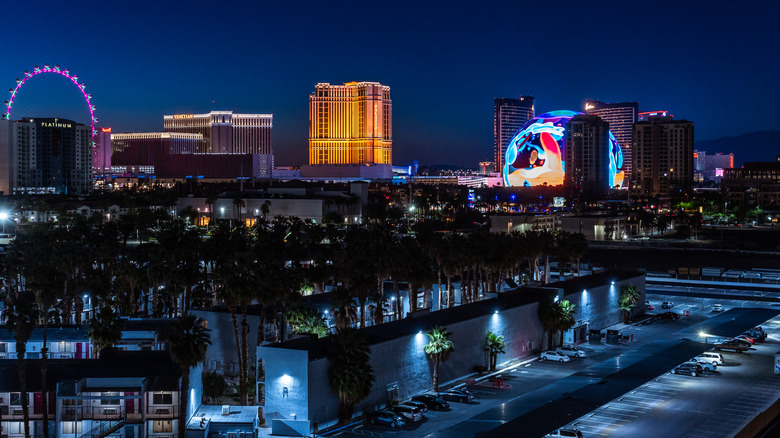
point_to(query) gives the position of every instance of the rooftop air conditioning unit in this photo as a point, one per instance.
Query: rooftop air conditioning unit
(225, 409)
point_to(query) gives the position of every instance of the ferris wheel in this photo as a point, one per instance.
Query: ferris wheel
(57, 71)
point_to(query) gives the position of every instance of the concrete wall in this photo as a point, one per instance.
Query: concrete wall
(287, 368)
(403, 363)
(598, 307)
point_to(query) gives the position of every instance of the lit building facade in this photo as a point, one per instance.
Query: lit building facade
(509, 115)
(756, 183)
(226, 132)
(137, 152)
(621, 117)
(351, 124)
(45, 155)
(663, 158)
(710, 167)
(101, 152)
(647, 115)
(586, 154)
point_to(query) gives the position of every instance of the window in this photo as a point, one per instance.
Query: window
(162, 426)
(71, 427)
(16, 398)
(109, 401)
(162, 398)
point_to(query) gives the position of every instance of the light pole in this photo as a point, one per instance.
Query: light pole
(3, 218)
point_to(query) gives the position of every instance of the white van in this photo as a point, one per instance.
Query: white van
(710, 357)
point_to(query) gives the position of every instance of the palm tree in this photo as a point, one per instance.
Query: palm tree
(438, 348)
(549, 318)
(566, 319)
(22, 316)
(494, 345)
(629, 295)
(187, 344)
(350, 374)
(104, 330)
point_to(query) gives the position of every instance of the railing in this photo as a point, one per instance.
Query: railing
(162, 411)
(107, 427)
(76, 413)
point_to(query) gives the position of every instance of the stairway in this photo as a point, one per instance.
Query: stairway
(106, 427)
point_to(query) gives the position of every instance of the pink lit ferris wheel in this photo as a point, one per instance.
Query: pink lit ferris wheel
(57, 71)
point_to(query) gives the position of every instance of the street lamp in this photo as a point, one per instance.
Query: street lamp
(3, 218)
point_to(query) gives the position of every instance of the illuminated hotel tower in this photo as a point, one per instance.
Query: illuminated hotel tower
(509, 116)
(225, 132)
(621, 118)
(351, 124)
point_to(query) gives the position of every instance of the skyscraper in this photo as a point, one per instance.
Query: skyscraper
(663, 158)
(587, 154)
(46, 155)
(351, 124)
(508, 117)
(621, 117)
(226, 132)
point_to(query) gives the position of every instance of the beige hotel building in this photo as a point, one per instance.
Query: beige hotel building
(350, 124)
(226, 132)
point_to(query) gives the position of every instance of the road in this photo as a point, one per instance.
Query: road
(541, 391)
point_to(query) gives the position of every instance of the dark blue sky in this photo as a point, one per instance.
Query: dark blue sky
(715, 63)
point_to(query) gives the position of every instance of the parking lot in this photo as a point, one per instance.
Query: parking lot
(535, 383)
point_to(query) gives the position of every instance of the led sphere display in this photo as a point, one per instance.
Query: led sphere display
(534, 157)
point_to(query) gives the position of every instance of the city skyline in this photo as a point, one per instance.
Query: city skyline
(267, 64)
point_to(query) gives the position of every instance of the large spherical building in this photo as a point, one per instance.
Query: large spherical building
(534, 157)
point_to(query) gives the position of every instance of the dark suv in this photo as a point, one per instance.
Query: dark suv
(693, 369)
(432, 401)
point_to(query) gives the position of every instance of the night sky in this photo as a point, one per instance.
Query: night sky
(715, 63)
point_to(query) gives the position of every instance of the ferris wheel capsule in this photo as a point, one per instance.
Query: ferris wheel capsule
(56, 67)
(18, 80)
(45, 66)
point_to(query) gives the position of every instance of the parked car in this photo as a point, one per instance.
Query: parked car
(667, 305)
(423, 407)
(409, 412)
(743, 341)
(706, 366)
(717, 308)
(732, 344)
(554, 356)
(690, 368)
(746, 338)
(565, 432)
(669, 315)
(571, 351)
(387, 418)
(649, 306)
(711, 357)
(432, 401)
(458, 395)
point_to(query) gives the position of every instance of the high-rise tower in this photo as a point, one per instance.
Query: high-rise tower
(508, 117)
(587, 154)
(351, 124)
(621, 117)
(663, 158)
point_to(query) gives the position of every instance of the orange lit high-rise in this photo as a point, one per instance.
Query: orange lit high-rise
(351, 124)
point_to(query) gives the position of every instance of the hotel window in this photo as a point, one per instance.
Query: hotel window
(16, 398)
(162, 398)
(109, 401)
(162, 426)
(68, 427)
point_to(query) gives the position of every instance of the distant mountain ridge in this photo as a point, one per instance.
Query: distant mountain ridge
(753, 146)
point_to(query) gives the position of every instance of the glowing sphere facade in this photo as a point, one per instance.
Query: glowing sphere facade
(534, 157)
